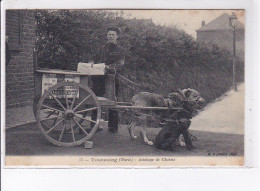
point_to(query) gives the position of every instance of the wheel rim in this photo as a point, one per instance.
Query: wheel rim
(66, 121)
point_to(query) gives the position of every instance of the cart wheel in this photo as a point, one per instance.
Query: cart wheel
(62, 116)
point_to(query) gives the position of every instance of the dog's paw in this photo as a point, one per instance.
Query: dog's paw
(149, 143)
(181, 141)
(193, 147)
(134, 137)
(190, 147)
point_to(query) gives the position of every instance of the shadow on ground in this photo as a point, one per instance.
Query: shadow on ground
(27, 140)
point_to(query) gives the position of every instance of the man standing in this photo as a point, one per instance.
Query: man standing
(113, 56)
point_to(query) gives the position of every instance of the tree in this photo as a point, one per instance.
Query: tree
(160, 58)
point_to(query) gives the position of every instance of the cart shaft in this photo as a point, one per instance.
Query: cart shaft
(148, 108)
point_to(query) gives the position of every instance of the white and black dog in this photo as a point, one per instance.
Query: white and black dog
(177, 122)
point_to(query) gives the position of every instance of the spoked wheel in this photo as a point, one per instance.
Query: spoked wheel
(64, 114)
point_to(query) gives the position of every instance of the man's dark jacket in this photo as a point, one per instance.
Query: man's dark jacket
(112, 55)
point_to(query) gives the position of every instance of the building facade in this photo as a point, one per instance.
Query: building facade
(20, 29)
(220, 33)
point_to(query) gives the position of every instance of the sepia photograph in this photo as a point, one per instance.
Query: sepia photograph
(124, 87)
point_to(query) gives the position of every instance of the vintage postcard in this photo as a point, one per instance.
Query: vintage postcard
(153, 88)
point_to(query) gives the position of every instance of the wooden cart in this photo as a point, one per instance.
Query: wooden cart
(64, 104)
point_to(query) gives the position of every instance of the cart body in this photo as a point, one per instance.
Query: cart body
(46, 78)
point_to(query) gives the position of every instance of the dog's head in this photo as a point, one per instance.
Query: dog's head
(188, 98)
(193, 98)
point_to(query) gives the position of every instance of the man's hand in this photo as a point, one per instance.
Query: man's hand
(110, 70)
(92, 64)
(107, 67)
(122, 62)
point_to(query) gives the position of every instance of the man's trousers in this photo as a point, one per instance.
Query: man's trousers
(99, 90)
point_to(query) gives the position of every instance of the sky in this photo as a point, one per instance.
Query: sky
(187, 20)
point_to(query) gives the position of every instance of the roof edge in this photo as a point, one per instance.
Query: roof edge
(220, 30)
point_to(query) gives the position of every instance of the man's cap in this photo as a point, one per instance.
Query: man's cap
(114, 29)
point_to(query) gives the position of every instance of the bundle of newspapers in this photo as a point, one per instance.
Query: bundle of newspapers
(91, 69)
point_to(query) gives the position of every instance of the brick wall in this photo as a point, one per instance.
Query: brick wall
(20, 28)
(224, 39)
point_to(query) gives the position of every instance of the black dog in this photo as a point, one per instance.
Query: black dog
(179, 122)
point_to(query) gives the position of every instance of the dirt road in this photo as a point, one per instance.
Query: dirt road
(224, 115)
